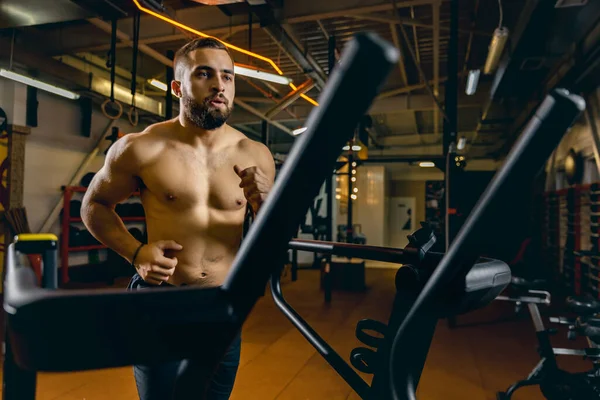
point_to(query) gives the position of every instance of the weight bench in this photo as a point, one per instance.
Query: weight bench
(110, 323)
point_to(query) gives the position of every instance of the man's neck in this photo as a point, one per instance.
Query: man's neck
(197, 136)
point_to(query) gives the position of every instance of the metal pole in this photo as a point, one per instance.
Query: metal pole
(349, 228)
(449, 137)
(329, 191)
(168, 95)
(450, 123)
(265, 133)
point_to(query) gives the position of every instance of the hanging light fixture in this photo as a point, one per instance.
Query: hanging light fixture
(496, 45)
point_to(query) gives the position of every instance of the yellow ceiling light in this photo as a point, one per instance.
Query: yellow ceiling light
(229, 45)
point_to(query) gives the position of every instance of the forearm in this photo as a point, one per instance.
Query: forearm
(108, 227)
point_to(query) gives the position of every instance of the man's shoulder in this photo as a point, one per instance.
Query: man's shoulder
(250, 146)
(144, 144)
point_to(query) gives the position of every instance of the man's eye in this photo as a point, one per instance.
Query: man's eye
(228, 77)
(202, 73)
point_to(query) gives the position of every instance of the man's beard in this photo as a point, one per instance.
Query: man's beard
(204, 115)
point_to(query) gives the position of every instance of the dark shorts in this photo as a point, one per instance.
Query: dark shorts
(156, 382)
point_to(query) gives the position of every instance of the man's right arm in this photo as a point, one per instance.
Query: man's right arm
(112, 184)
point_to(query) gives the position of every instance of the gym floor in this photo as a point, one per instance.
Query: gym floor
(488, 350)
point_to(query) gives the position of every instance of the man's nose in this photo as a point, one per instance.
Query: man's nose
(218, 85)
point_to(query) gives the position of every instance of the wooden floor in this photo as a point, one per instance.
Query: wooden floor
(471, 361)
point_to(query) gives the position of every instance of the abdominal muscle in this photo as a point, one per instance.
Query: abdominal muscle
(210, 240)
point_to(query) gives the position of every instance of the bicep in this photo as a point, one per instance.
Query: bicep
(116, 180)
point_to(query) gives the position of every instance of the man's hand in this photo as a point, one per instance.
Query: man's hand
(256, 185)
(151, 263)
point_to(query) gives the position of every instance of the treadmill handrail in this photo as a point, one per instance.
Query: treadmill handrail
(553, 118)
(363, 69)
(368, 252)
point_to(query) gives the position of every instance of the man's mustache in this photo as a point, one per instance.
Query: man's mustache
(219, 97)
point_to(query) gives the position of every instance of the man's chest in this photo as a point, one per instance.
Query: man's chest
(188, 180)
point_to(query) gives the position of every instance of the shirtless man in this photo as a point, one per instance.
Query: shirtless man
(196, 176)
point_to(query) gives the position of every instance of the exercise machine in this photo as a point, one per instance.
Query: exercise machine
(115, 327)
(554, 383)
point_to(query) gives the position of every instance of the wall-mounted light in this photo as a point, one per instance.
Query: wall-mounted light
(38, 84)
(472, 82)
(462, 142)
(426, 164)
(356, 147)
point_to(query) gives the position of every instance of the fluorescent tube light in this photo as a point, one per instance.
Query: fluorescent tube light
(426, 164)
(298, 131)
(472, 82)
(158, 84)
(38, 84)
(259, 74)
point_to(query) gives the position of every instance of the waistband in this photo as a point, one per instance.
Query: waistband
(137, 283)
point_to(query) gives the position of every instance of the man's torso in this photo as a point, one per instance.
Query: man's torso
(192, 196)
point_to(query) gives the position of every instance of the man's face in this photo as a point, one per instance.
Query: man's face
(207, 88)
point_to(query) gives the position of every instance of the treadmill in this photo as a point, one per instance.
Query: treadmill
(53, 330)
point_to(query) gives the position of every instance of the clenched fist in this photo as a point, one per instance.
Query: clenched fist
(256, 185)
(151, 263)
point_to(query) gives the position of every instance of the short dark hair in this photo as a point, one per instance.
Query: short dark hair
(181, 56)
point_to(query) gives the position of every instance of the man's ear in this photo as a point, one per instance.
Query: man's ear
(176, 88)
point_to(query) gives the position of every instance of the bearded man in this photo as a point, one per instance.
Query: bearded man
(197, 178)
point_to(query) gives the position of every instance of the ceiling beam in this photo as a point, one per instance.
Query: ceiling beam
(295, 11)
(212, 21)
(144, 48)
(402, 58)
(392, 105)
(261, 115)
(162, 39)
(415, 23)
(288, 41)
(290, 98)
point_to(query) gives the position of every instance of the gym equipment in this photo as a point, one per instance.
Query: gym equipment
(555, 383)
(112, 63)
(122, 325)
(116, 327)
